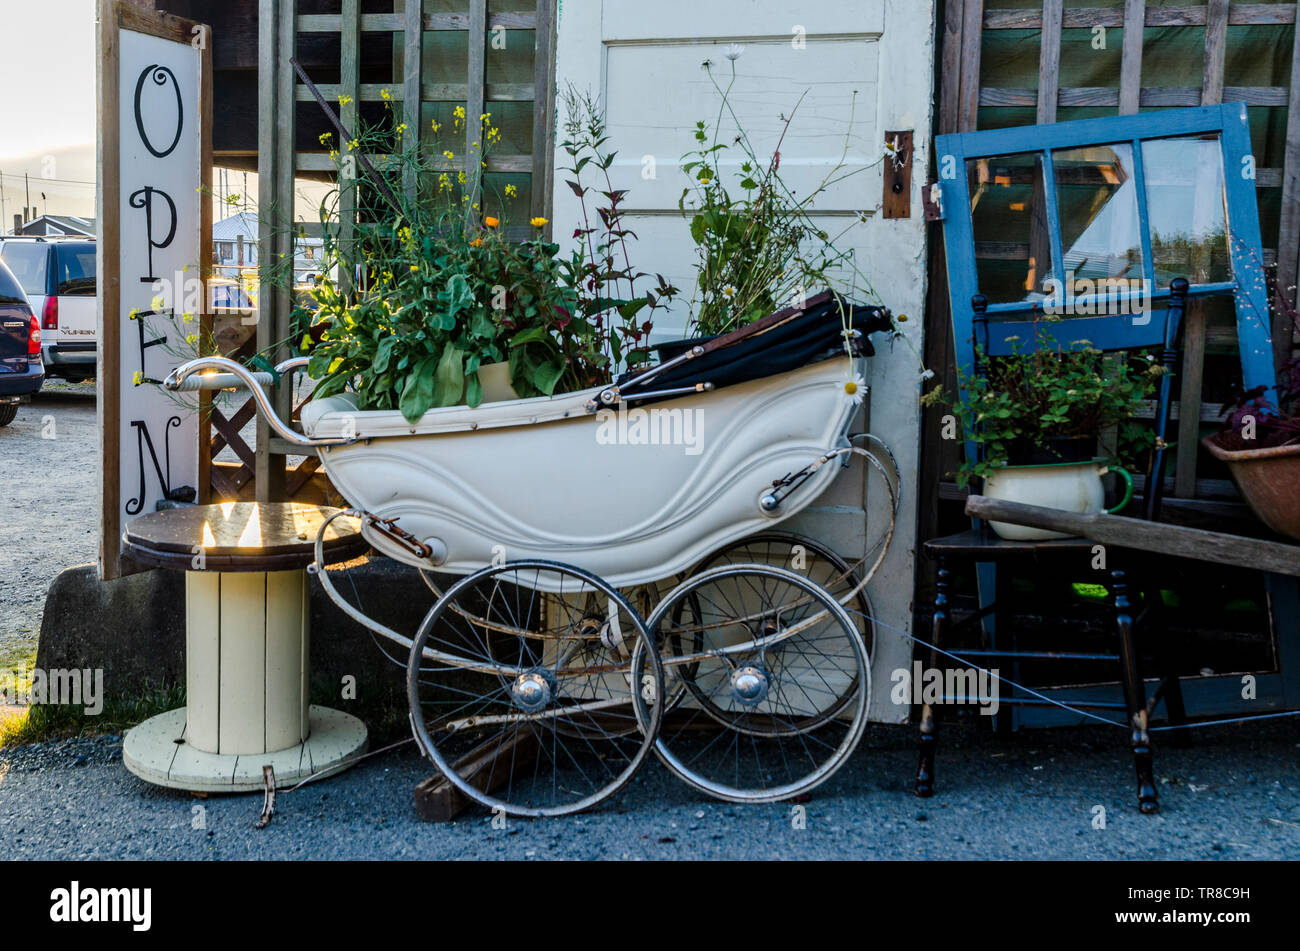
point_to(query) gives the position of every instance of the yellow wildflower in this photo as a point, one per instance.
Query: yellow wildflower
(538, 222)
(436, 126)
(459, 112)
(385, 95)
(460, 176)
(325, 138)
(344, 100)
(444, 182)
(137, 378)
(511, 191)
(448, 155)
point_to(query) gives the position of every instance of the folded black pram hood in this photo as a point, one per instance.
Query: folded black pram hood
(778, 343)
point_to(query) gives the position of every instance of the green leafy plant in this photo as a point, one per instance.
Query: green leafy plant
(1045, 392)
(442, 290)
(599, 269)
(757, 245)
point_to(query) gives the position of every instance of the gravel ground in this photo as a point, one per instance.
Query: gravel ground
(1235, 794)
(50, 473)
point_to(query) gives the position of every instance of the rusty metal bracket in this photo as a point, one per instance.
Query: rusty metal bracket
(268, 803)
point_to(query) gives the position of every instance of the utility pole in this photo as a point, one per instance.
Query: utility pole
(3, 216)
(27, 200)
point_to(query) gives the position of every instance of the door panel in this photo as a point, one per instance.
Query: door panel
(862, 67)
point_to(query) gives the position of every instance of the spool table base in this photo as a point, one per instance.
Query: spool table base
(157, 752)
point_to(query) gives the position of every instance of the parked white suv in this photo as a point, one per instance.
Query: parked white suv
(58, 277)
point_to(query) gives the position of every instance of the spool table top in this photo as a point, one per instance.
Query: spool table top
(240, 536)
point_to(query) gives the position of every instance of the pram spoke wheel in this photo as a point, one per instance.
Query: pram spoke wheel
(521, 686)
(776, 680)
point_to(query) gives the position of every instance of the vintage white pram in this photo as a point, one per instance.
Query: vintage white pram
(608, 574)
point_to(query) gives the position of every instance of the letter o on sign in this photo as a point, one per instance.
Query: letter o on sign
(160, 74)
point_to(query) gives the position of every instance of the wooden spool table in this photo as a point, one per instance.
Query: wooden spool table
(247, 648)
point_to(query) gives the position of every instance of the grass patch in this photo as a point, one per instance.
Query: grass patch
(41, 722)
(383, 712)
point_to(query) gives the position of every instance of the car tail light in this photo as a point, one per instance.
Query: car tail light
(33, 338)
(50, 315)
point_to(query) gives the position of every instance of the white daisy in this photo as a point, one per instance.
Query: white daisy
(734, 51)
(855, 389)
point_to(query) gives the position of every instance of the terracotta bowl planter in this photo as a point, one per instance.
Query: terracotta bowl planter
(1269, 479)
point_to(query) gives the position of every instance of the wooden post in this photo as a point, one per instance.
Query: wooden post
(543, 110)
(972, 35)
(266, 485)
(412, 80)
(349, 111)
(204, 488)
(1193, 368)
(476, 38)
(108, 367)
(1130, 71)
(1288, 239)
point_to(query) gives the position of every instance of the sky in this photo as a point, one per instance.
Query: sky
(47, 105)
(47, 113)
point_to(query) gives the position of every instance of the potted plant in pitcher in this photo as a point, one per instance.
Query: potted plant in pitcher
(1260, 443)
(1036, 417)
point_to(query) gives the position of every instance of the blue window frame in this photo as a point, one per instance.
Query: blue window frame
(1151, 196)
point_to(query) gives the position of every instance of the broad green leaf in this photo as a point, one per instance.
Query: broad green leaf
(417, 395)
(449, 380)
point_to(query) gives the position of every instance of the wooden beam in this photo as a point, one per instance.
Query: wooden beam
(1288, 239)
(1216, 48)
(1049, 61)
(204, 488)
(950, 72)
(1141, 535)
(971, 38)
(396, 22)
(108, 323)
(543, 111)
(1130, 70)
(1082, 18)
(350, 89)
(412, 80)
(475, 101)
(1156, 97)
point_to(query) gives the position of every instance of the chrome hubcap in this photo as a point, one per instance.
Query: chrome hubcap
(533, 690)
(749, 684)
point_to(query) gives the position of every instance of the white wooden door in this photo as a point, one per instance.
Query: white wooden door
(868, 61)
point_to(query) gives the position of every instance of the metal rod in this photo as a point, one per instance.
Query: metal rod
(379, 183)
(176, 379)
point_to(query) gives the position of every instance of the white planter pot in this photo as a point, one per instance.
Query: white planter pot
(495, 379)
(1071, 487)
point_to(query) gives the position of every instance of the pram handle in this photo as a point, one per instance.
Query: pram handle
(229, 368)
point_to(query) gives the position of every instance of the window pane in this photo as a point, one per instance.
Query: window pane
(1185, 201)
(1009, 220)
(1096, 195)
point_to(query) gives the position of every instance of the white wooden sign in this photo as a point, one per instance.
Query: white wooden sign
(154, 161)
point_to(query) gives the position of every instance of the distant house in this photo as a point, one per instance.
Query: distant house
(234, 245)
(59, 225)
